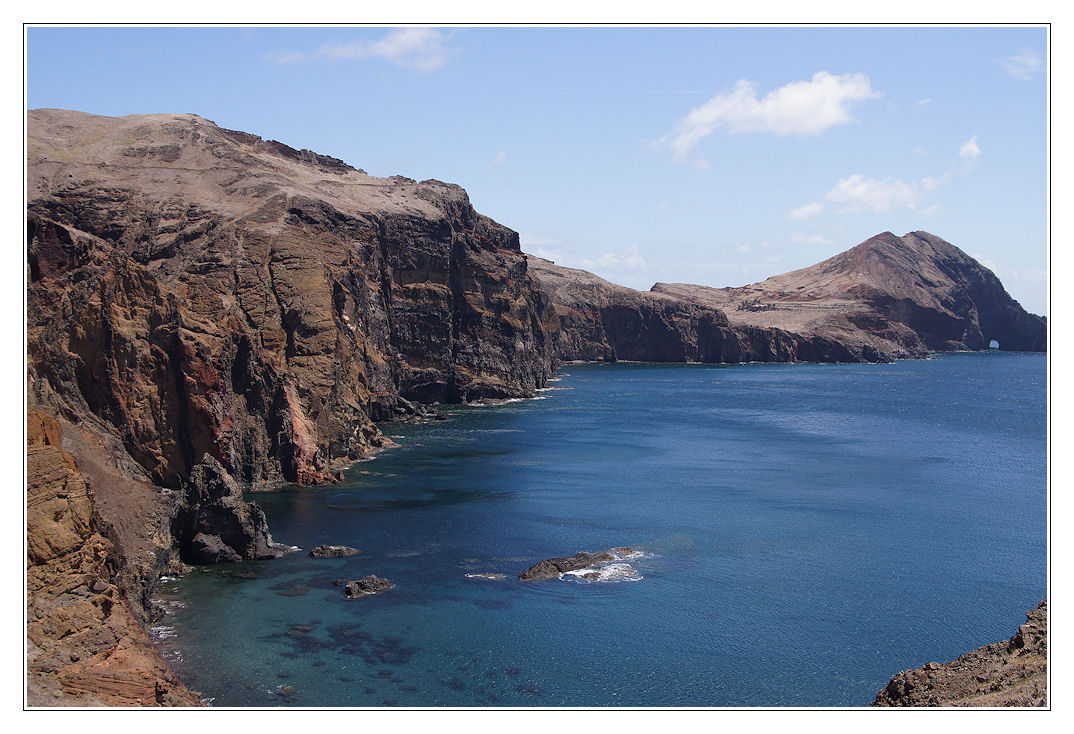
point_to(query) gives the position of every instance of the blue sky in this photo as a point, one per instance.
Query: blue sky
(717, 156)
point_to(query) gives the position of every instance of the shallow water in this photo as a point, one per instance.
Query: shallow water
(805, 532)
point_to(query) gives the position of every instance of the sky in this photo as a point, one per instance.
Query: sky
(717, 156)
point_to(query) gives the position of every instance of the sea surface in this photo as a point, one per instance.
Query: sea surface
(802, 533)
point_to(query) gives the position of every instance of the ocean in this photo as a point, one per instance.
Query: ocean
(799, 534)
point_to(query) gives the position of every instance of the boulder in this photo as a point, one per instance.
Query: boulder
(366, 586)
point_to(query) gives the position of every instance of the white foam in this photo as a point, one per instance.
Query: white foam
(163, 632)
(488, 576)
(607, 572)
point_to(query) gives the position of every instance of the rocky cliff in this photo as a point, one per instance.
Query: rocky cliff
(214, 307)
(1010, 673)
(897, 296)
(85, 645)
(599, 320)
(208, 311)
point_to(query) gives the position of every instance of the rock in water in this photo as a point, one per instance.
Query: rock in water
(1011, 673)
(555, 567)
(366, 585)
(333, 551)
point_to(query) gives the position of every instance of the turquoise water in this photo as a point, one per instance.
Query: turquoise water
(805, 532)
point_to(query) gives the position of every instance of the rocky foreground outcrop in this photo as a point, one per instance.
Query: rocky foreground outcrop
(85, 646)
(1011, 673)
(893, 296)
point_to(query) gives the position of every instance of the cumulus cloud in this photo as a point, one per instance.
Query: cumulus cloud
(970, 151)
(877, 195)
(799, 108)
(1024, 65)
(498, 159)
(807, 211)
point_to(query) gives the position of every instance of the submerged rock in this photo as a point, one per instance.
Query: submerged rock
(366, 585)
(554, 567)
(333, 551)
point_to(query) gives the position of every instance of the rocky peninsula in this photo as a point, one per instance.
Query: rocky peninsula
(209, 312)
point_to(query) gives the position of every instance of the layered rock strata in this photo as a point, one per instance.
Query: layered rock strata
(895, 296)
(1011, 673)
(85, 645)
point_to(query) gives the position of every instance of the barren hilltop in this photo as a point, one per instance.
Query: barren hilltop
(904, 296)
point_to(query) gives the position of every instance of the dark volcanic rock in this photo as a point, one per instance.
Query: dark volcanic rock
(333, 551)
(554, 567)
(1011, 673)
(366, 585)
(898, 296)
(215, 525)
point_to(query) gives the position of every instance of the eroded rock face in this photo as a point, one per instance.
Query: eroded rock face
(85, 647)
(197, 291)
(602, 321)
(1011, 673)
(896, 296)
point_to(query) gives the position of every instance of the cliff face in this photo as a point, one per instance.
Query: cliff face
(1011, 673)
(208, 311)
(198, 291)
(901, 296)
(599, 320)
(85, 645)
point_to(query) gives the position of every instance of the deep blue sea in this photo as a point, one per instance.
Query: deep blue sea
(803, 532)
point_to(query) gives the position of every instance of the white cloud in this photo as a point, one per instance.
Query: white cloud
(666, 203)
(923, 102)
(612, 260)
(877, 195)
(1025, 65)
(930, 211)
(807, 211)
(498, 159)
(420, 49)
(799, 108)
(970, 151)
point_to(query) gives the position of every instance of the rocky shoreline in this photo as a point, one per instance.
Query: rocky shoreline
(1003, 674)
